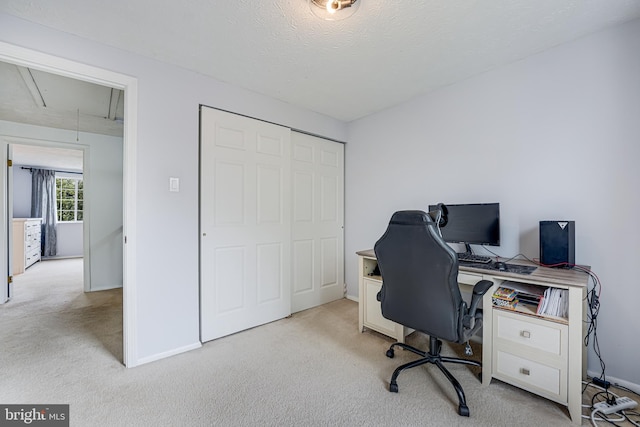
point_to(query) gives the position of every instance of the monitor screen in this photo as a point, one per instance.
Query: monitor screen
(477, 224)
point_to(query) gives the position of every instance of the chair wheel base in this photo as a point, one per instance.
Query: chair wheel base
(463, 410)
(393, 388)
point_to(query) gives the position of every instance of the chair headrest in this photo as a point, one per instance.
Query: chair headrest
(412, 218)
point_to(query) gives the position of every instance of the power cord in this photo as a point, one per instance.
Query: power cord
(623, 415)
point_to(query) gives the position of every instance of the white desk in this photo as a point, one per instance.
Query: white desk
(540, 354)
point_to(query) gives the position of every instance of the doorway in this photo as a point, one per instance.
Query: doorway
(29, 237)
(48, 63)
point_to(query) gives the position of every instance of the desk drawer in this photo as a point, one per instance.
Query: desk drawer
(549, 381)
(468, 278)
(520, 330)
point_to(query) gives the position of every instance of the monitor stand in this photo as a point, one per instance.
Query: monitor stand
(468, 249)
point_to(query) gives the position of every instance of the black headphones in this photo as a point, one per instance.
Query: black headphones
(444, 215)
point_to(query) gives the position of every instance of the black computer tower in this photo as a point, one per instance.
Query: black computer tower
(558, 243)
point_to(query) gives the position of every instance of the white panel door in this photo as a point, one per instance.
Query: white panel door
(245, 223)
(318, 221)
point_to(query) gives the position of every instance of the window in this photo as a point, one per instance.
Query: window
(69, 199)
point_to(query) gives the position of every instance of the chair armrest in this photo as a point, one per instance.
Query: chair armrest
(482, 287)
(479, 289)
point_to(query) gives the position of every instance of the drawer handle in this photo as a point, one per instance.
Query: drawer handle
(525, 334)
(525, 371)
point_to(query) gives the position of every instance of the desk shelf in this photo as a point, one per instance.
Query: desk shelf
(533, 290)
(526, 310)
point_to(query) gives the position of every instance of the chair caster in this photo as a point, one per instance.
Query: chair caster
(390, 353)
(393, 388)
(463, 410)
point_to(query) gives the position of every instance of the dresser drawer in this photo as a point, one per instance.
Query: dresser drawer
(545, 336)
(32, 230)
(31, 257)
(31, 226)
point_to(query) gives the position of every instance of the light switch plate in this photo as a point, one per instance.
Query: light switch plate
(174, 184)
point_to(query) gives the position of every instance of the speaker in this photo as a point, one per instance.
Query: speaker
(558, 243)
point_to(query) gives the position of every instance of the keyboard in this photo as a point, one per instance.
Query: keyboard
(467, 257)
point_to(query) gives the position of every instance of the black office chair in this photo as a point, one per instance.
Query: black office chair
(420, 290)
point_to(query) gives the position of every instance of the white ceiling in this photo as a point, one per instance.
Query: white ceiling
(387, 53)
(39, 98)
(61, 159)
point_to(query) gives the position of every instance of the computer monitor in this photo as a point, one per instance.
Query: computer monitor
(477, 224)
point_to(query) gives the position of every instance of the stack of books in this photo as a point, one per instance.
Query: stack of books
(555, 303)
(505, 298)
(529, 295)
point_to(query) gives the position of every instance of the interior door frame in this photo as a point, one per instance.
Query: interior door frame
(56, 65)
(86, 177)
(9, 212)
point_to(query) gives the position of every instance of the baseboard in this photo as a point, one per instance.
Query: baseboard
(53, 258)
(617, 381)
(169, 353)
(352, 298)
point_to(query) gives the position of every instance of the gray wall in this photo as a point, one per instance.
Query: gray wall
(70, 238)
(21, 192)
(167, 301)
(553, 136)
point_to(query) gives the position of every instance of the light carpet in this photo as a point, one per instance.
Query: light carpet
(60, 345)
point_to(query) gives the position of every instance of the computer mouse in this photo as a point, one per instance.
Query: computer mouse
(499, 265)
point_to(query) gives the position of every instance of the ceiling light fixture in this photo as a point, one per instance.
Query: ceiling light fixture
(333, 10)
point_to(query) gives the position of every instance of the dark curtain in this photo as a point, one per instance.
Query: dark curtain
(43, 205)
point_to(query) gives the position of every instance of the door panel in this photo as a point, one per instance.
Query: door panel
(229, 186)
(318, 219)
(245, 223)
(302, 280)
(329, 262)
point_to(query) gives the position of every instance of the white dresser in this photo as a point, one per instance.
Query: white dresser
(26, 243)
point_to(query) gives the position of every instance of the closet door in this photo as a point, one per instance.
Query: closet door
(245, 223)
(318, 221)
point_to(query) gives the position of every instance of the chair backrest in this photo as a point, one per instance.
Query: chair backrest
(420, 276)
